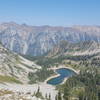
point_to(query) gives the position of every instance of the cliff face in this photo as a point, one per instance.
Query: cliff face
(37, 40)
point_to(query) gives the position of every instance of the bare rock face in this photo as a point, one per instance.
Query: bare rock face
(37, 40)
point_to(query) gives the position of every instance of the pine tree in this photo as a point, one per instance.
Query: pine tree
(49, 96)
(59, 96)
(46, 96)
(38, 89)
(56, 97)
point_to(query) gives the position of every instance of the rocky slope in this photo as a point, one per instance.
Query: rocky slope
(14, 68)
(27, 92)
(81, 48)
(37, 40)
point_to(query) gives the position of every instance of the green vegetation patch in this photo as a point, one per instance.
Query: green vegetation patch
(40, 76)
(9, 79)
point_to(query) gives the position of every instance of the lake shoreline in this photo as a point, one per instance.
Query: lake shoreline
(60, 67)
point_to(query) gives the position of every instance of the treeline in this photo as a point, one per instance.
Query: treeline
(47, 62)
(51, 61)
(85, 86)
(39, 95)
(96, 61)
(40, 75)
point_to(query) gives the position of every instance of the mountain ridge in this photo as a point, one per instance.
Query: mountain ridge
(38, 40)
(81, 48)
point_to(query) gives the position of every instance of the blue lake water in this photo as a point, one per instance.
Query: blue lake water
(64, 73)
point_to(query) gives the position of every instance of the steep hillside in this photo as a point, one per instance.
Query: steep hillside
(37, 40)
(14, 68)
(87, 52)
(81, 48)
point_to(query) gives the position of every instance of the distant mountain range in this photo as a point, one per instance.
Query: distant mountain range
(38, 40)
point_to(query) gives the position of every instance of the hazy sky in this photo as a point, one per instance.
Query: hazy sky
(51, 12)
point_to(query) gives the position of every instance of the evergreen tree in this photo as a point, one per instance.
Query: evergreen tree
(46, 96)
(49, 96)
(56, 97)
(38, 89)
(59, 96)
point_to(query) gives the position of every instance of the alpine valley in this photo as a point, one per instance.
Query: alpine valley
(49, 62)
